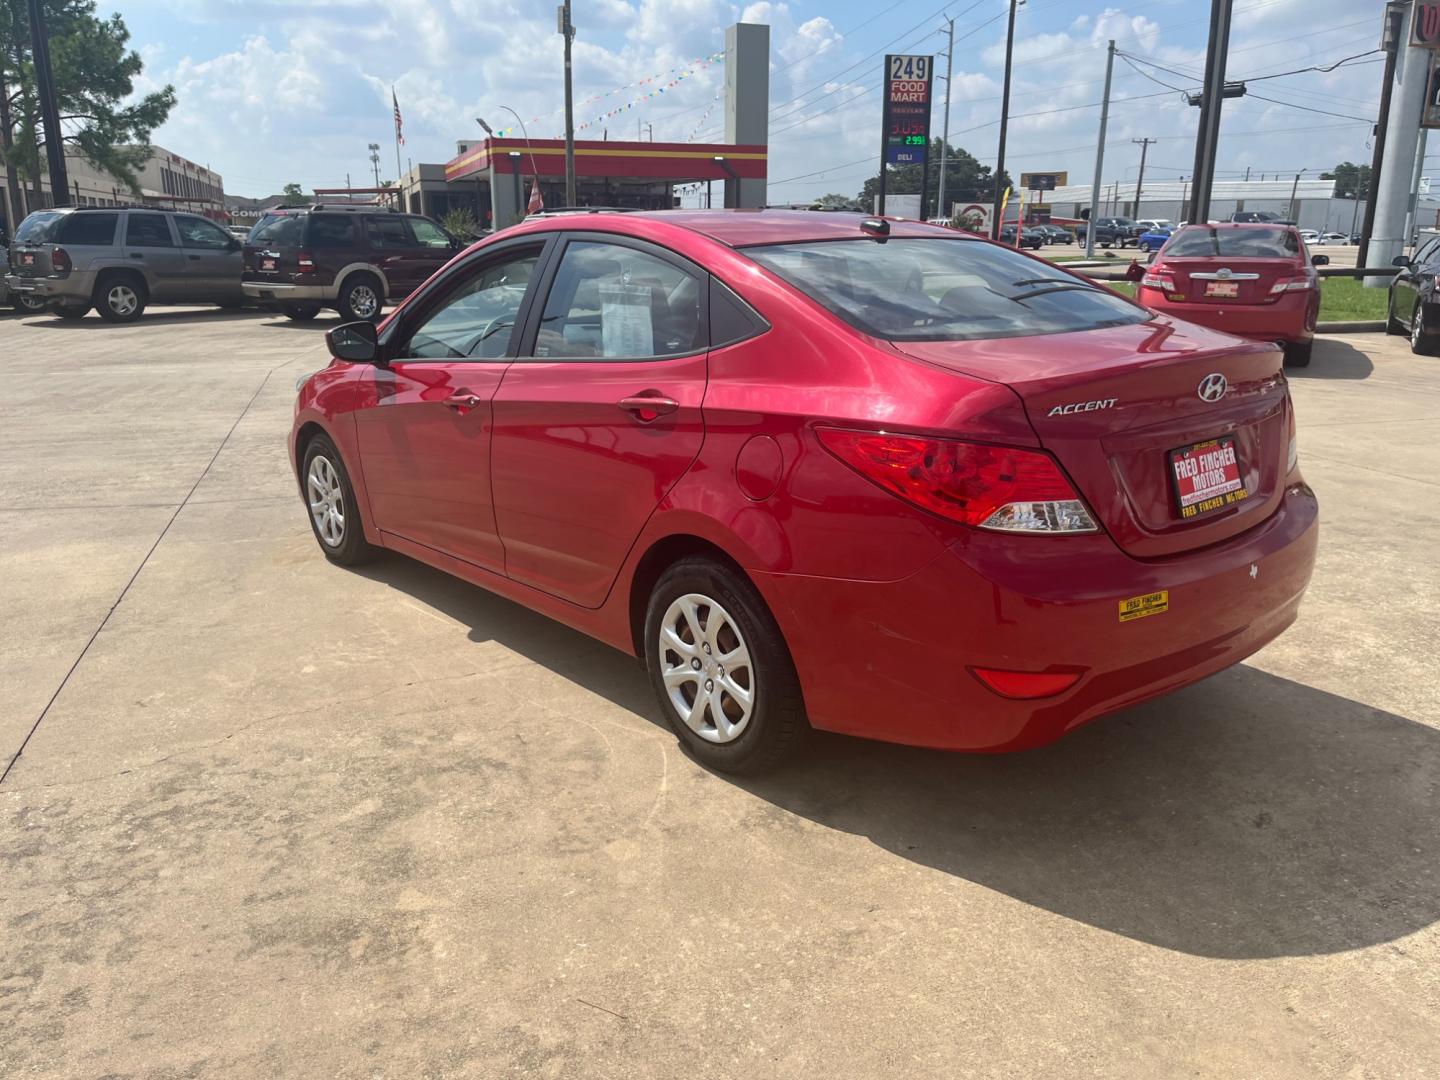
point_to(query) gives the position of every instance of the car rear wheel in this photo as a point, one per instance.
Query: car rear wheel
(120, 298)
(720, 669)
(1297, 353)
(300, 312)
(1145, 246)
(69, 312)
(1422, 339)
(334, 513)
(361, 299)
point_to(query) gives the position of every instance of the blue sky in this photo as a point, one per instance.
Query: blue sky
(272, 91)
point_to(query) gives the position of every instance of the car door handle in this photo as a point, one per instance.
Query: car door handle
(462, 399)
(193, 258)
(136, 255)
(642, 404)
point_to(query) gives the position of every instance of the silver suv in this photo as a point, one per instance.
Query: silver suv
(118, 260)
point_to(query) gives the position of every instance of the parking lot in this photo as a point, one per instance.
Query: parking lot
(276, 818)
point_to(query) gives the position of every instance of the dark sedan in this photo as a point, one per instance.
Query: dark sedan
(1413, 303)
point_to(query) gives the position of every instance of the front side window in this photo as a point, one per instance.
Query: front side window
(612, 302)
(331, 231)
(148, 230)
(81, 229)
(196, 232)
(478, 318)
(428, 234)
(1201, 241)
(389, 232)
(943, 289)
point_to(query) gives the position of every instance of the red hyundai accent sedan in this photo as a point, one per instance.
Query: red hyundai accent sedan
(818, 470)
(1256, 281)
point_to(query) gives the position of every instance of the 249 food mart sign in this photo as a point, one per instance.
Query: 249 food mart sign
(908, 81)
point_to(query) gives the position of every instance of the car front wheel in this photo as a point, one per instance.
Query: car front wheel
(120, 298)
(301, 312)
(334, 513)
(1422, 338)
(720, 668)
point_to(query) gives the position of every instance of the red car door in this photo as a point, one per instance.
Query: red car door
(599, 416)
(423, 427)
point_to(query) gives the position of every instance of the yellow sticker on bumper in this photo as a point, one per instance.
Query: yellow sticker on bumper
(1137, 607)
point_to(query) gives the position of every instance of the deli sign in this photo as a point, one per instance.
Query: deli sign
(1425, 25)
(908, 81)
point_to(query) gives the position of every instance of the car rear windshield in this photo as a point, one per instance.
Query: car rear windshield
(35, 229)
(1198, 241)
(279, 229)
(943, 289)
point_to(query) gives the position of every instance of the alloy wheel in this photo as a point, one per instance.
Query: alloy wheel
(363, 301)
(1417, 328)
(327, 501)
(706, 668)
(122, 299)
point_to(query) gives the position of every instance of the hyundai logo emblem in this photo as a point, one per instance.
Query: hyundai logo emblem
(1213, 387)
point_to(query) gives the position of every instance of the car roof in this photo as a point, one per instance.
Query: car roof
(739, 228)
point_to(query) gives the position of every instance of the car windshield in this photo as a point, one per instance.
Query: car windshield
(943, 289)
(1200, 241)
(36, 228)
(280, 229)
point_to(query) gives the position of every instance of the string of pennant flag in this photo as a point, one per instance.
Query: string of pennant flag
(659, 83)
(703, 117)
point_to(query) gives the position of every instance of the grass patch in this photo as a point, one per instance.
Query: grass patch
(1341, 299)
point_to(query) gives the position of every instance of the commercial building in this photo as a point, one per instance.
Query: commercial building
(165, 179)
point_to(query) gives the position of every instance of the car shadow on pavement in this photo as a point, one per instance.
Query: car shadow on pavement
(1333, 359)
(1247, 816)
(165, 318)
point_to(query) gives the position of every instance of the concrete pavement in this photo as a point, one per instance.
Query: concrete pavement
(280, 819)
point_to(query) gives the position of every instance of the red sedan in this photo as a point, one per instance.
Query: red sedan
(1255, 281)
(819, 470)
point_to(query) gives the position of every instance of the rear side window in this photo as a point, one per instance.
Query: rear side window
(80, 229)
(1199, 241)
(278, 230)
(389, 232)
(148, 230)
(35, 229)
(331, 231)
(943, 289)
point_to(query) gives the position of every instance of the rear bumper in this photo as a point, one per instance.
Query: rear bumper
(285, 293)
(1291, 318)
(890, 660)
(78, 287)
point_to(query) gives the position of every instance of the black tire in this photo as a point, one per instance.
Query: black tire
(231, 305)
(361, 299)
(776, 726)
(348, 546)
(120, 297)
(1297, 353)
(1422, 334)
(28, 305)
(1145, 246)
(300, 312)
(68, 312)
(1392, 324)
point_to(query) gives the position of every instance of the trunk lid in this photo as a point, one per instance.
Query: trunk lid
(266, 263)
(1112, 404)
(30, 260)
(1212, 281)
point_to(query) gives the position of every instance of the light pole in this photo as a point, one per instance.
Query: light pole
(567, 28)
(517, 183)
(533, 169)
(945, 135)
(1004, 124)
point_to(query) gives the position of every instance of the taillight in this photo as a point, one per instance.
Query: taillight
(1001, 488)
(60, 261)
(305, 262)
(1161, 278)
(1292, 284)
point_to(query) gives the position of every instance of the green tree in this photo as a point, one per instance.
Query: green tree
(966, 180)
(837, 202)
(461, 222)
(95, 75)
(293, 195)
(1351, 180)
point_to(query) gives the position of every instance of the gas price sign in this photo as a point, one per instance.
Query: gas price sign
(908, 81)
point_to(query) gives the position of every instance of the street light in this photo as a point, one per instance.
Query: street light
(491, 133)
(514, 156)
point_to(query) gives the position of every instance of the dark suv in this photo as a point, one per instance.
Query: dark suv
(1120, 231)
(351, 258)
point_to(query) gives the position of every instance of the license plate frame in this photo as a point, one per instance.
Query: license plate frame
(1222, 290)
(1203, 484)
(267, 265)
(27, 258)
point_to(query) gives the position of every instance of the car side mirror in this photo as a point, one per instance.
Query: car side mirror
(355, 343)
(1400, 260)
(1319, 260)
(235, 244)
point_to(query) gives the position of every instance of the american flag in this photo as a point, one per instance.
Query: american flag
(399, 126)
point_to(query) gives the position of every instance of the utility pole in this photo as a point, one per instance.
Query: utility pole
(1004, 123)
(1212, 97)
(568, 30)
(1404, 93)
(49, 107)
(1412, 213)
(1100, 153)
(945, 126)
(1294, 208)
(374, 162)
(1144, 145)
(1247, 174)
(1390, 38)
